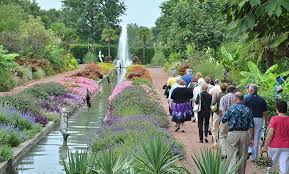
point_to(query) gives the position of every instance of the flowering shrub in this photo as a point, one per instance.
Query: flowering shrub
(125, 134)
(43, 91)
(79, 85)
(138, 71)
(154, 95)
(140, 81)
(9, 135)
(91, 71)
(68, 100)
(119, 88)
(106, 68)
(135, 101)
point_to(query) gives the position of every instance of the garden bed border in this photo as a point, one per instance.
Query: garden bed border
(24, 147)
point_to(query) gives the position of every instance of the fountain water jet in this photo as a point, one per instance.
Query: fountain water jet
(123, 52)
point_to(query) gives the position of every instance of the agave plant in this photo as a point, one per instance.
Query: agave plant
(110, 163)
(210, 162)
(157, 158)
(79, 162)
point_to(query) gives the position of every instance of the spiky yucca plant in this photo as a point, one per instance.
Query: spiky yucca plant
(79, 162)
(157, 158)
(211, 162)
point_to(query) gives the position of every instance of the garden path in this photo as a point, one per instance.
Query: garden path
(189, 139)
(53, 78)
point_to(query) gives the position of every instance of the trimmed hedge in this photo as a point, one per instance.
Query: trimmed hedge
(80, 50)
(138, 51)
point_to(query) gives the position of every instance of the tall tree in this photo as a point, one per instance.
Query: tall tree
(145, 35)
(184, 22)
(109, 35)
(10, 17)
(90, 17)
(67, 35)
(266, 21)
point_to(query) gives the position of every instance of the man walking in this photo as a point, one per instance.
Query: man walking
(240, 119)
(188, 77)
(259, 109)
(225, 103)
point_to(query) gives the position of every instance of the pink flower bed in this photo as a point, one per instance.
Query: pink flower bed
(119, 88)
(79, 85)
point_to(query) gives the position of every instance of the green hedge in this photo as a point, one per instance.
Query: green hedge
(138, 51)
(79, 50)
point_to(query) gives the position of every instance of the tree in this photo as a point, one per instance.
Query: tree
(34, 37)
(29, 7)
(10, 17)
(109, 35)
(266, 21)
(190, 22)
(90, 17)
(145, 35)
(67, 35)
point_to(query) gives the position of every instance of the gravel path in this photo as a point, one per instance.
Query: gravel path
(47, 79)
(189, 139)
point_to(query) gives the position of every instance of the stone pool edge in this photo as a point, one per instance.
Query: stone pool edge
(24, 147)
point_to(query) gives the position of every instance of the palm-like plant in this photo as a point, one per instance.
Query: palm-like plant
(145, 34)
(109, 35)
(210, 162)
(79, 162)
(110, 163)
(157, 159)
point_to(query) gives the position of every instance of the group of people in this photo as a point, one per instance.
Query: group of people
(235, 120)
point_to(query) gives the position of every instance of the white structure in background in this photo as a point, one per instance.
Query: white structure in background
(100, 56)
(123, 53)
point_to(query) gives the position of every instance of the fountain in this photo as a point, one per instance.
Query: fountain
(123, 52)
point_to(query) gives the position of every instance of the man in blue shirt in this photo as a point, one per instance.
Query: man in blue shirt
(259, 109)
(240, 119)
(188, 77)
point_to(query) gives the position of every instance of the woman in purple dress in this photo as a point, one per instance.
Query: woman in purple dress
(182, 108)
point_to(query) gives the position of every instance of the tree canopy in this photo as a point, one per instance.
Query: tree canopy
(90, 17)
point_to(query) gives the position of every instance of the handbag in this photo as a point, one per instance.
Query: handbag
(197, 107)
(264, 161)
(214, 107)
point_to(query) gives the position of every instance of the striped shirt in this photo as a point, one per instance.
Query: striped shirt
(226, 102)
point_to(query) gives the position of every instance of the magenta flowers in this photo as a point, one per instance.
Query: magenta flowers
(119, 88)
(79, 85)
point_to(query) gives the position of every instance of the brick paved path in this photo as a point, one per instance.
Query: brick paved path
(189, 139)
(48, 79)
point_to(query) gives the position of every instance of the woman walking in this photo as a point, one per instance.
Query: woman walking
(204, 99)
(181, 104)
(277, 141)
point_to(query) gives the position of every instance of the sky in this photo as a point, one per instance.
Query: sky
(141, 12)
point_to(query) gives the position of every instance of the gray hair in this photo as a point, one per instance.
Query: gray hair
(217, 81)
(174, 73)
(189, 71)
(204, 87)
(253, 88)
